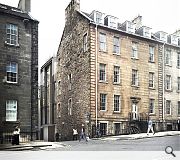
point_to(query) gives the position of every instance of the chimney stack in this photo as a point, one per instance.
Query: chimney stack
(137, 22)
(74, 5)
(25, 5)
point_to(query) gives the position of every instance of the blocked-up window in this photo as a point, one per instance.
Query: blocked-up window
(11, 110)
(11, 71)
(11, 34)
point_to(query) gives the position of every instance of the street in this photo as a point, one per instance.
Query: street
(146, 148)
(146, 144)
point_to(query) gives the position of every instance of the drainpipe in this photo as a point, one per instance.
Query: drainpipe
(96, 76)
(163, 70)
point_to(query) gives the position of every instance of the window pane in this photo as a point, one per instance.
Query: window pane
(116, 74)
(151, 106)
(102, 101)
(12, 34)
(11, 110)
(102, 42)
(11, 71)
(116, 103)
(102, 72)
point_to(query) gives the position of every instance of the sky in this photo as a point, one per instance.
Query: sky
(160, 15)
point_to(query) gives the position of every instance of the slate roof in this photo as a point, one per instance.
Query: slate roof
(15, 12)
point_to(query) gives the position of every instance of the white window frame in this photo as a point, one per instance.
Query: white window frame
(106, 122)
(178, 109)
(117, 103)
(168, 57)
(10, 69)
(130, 27)
(134, 53)
(85, 42)
(103, 101)
(151, 79)
(116, 74)
(178, 83)
(151, 53)
(102, 72)
(168, 107)
(102, 42)
(151, 106)
(70, 82)
(11, 34)
(178, 60)
(135, 81)
(112, 22)
(59, 110)
(116, 45)
(146, 32)
(168, 82)
(70, 106)
(11, 107)
(99, 18)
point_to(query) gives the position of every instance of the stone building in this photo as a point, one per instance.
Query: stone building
(110, 75)
(19, 71)
(48, 100)
(169, 90)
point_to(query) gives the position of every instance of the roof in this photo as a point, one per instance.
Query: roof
(15, 12)
(152, 38)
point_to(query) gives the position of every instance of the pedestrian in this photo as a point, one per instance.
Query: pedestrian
(75, 134)
(150, 127)
(83, 134)
(15, 137)
(57, 136)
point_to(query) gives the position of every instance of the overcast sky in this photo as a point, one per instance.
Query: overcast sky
(160, 15)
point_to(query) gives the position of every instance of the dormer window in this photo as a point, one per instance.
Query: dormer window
(130, 27)
(174, 39)
(111, 21)
(98, 17)
(146, 32)
(161, 36)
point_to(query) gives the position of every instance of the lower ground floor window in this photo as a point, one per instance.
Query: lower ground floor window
(117, 129)
(103, 128)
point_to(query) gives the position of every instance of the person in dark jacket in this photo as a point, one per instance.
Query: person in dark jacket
(83, 134)
(15, 137)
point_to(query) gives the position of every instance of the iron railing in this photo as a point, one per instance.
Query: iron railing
(6, 137)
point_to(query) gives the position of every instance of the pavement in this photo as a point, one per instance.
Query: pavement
(33, 145)
(141, 135)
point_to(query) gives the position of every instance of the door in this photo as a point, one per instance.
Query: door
(134, 111)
